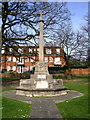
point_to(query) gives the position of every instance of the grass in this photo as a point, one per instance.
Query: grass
(6, 89)
(15, 109)
(74, 108)
(73, 77)
(78, 107)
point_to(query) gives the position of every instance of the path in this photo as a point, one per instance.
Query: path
(43, 107)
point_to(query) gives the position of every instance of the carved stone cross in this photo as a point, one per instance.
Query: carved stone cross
(41, 40)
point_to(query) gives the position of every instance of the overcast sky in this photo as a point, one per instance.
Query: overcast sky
(79, 11)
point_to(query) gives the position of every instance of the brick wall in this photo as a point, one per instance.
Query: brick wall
(22, 76)
(7, 75)
(80, 71)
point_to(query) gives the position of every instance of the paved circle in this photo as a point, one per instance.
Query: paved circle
(43, 107)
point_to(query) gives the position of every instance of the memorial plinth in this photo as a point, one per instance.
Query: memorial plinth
(41, 82)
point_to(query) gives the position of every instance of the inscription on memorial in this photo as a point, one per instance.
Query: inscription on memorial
(42, 76)
(42, 84)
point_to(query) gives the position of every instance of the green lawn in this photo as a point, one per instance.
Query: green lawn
(73, 77)
(77, 107)
(74, 108)
(6, 89)
(15, 109)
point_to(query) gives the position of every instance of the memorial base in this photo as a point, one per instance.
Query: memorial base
(41, 83)
(43, 92)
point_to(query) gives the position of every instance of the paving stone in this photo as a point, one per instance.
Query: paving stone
(43, 107)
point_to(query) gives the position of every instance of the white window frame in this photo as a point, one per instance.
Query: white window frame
(51, 59)
(46, 59)
(20, 50)
(58, 50)
(14, 59)
(10, 49)
(26, 59)
(2, 51)
(31, 68)
(30, 50)
(32, 59)
(20, 60)
(48, 51)
(34, 49)
(14, 68)
(19, 69)
(8, 68)
(38, 49)
(26, 68)
(57, 61)
(9, 59)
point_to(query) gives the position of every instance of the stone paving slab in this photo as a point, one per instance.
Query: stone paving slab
(43, 107)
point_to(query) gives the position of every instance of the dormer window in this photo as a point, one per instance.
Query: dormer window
(9, 59)
(30, 50)
(3, 51)
(10, 49)
(57, 51)
(20, 50)
(34, 50)
(38, 50)
(48, 51)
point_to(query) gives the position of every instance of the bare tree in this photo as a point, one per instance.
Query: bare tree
(74, 43)
(20, 21)
(86, 36)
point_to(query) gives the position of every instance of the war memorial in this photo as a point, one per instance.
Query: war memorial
(49, 91)
(41, 82)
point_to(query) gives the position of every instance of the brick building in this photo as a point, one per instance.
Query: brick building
(23, 58)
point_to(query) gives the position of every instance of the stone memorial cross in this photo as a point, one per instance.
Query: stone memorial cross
(41, 40)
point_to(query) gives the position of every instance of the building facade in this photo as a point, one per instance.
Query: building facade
(23, 58)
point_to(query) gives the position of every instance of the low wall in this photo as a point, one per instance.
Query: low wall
(15, 75)
(80, 71)
(10, 84)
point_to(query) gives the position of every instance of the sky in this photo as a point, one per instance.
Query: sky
(79, 10)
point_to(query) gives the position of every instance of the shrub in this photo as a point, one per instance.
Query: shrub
(24, 75)
(9, 78)
(4, 71)
(58, 69)
(10, 71)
